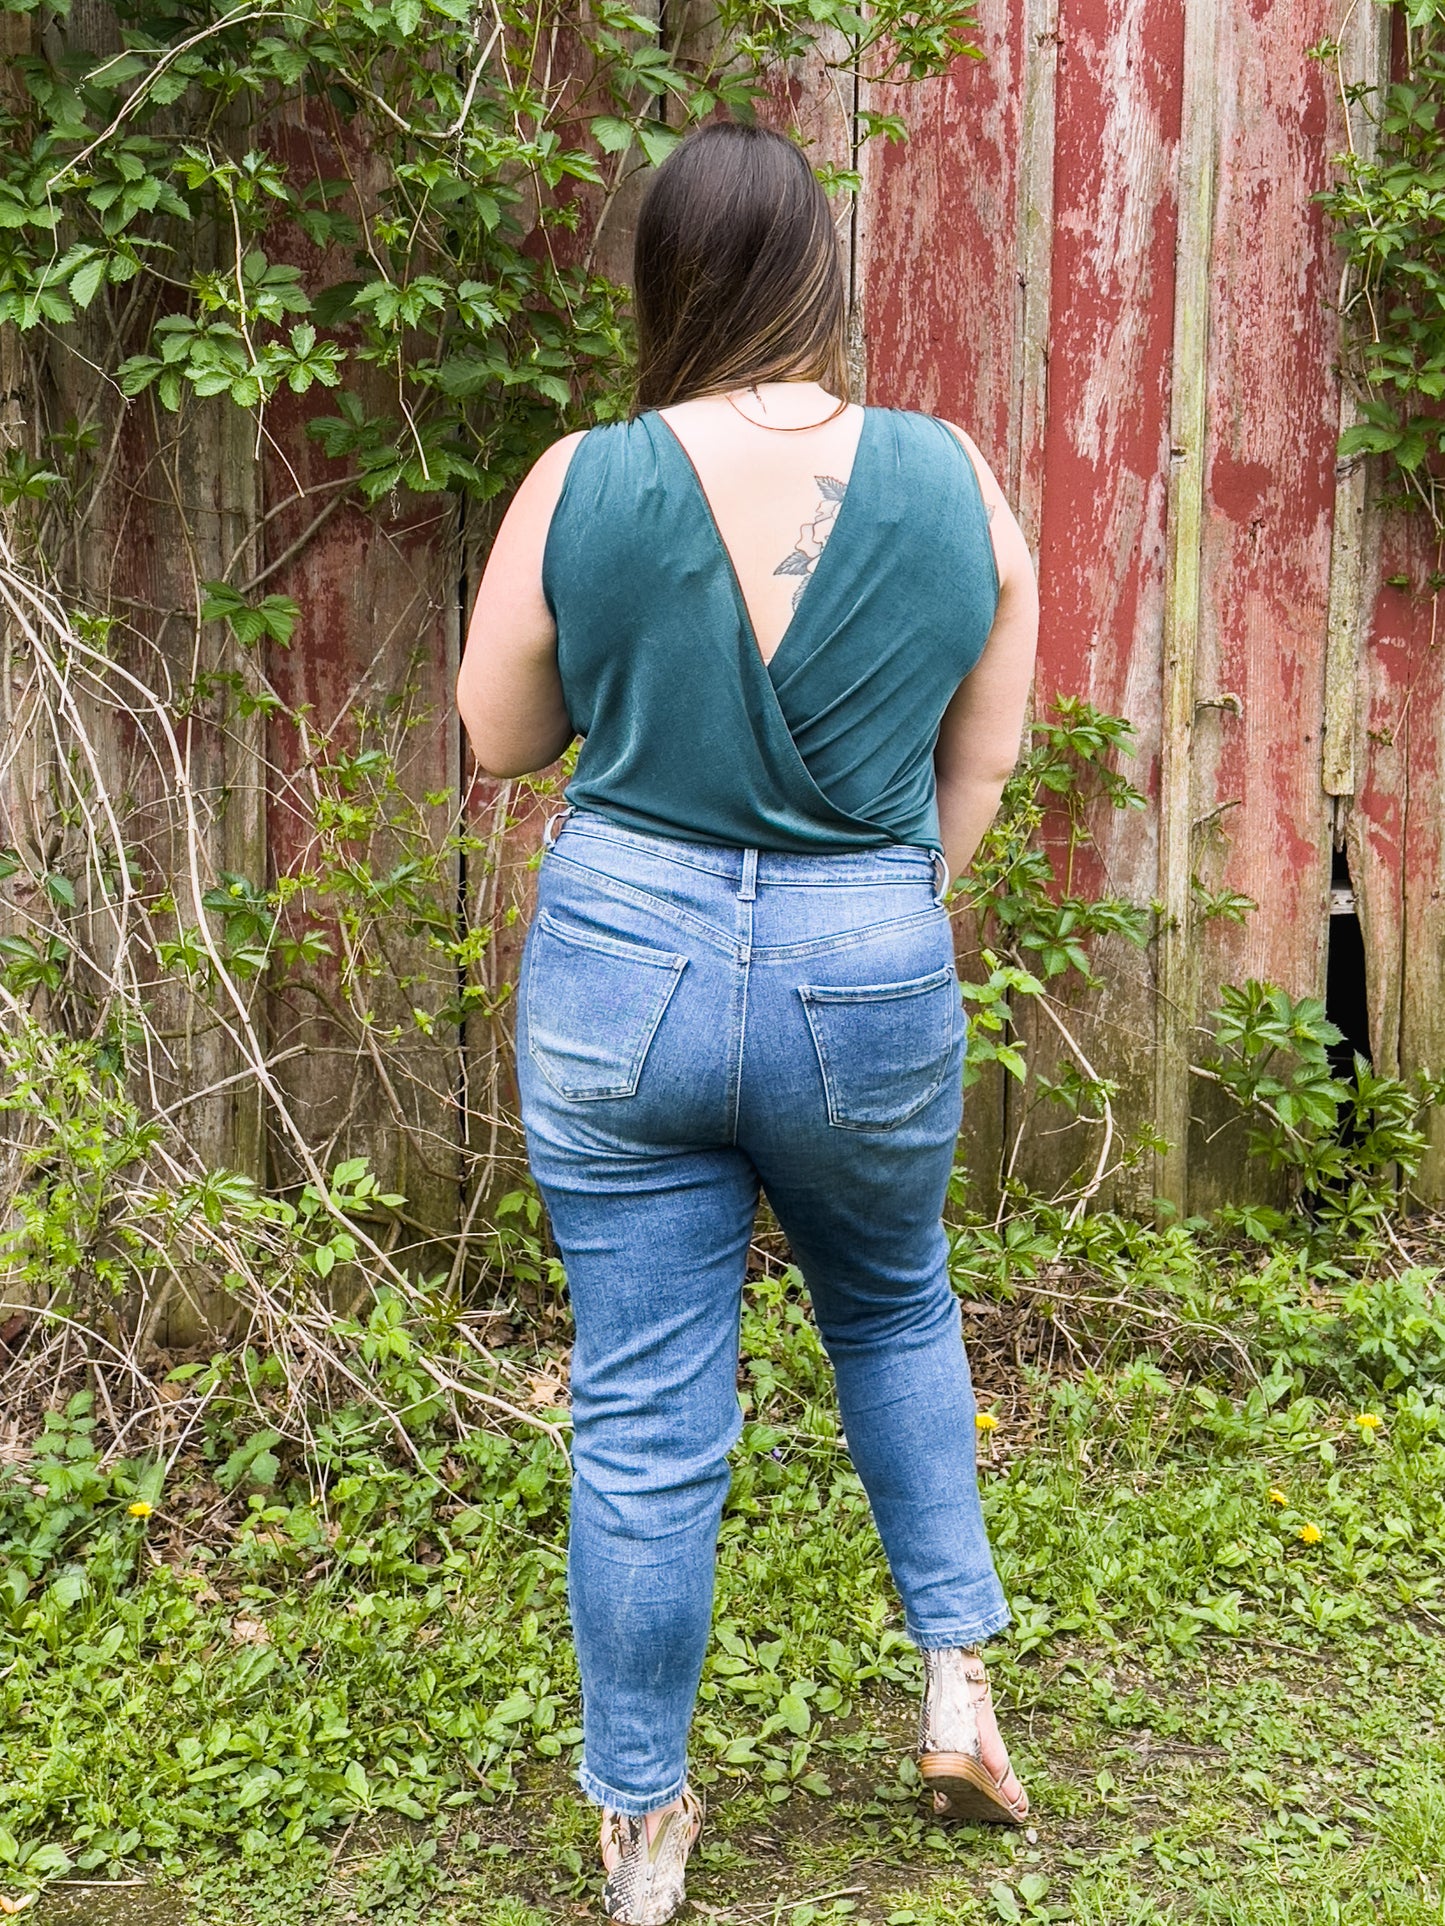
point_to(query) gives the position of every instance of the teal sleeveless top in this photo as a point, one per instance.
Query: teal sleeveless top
(687, 732)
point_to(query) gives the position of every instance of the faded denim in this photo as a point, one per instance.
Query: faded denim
(695, 1023)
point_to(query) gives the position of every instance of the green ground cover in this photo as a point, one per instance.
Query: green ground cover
(333, 1684)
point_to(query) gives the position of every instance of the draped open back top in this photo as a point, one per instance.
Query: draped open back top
(687, 731)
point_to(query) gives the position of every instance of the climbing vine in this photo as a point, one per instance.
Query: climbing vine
(1388, 211)
(361, 251)
(264, 265)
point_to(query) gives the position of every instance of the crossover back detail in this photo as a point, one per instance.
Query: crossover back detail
(829, 744)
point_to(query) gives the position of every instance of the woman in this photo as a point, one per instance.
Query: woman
(796, 636)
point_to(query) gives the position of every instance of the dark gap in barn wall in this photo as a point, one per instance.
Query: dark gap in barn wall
(1346, 1000)
(1346, 991)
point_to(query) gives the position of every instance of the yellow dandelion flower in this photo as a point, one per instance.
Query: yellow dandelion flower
(1276, 1496)
(141, 1510)
(1309, 1534)
(1368, 1421)
(985, 1420)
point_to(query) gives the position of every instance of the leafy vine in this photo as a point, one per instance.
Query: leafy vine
(1388, 211)
(367, 249)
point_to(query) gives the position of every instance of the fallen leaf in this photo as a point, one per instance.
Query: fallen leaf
(249, 1631)
(9, 1906)
(543, 1390)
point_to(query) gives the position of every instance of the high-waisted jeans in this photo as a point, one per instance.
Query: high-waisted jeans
(696, 1022)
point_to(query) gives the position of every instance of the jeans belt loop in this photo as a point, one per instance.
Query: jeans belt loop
(941, 878)
(555, 825)
(748, 888)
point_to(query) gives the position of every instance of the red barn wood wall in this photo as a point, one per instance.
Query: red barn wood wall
(371, 665)
(1100, 252)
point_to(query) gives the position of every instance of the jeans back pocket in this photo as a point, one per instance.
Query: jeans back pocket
(884, 1048)
(593, 1006)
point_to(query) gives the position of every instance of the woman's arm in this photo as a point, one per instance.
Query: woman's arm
(978, 742)
(508, 691)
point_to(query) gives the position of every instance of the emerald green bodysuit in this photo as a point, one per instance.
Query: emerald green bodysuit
(688, 732)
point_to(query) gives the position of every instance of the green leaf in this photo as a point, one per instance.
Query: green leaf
(794, 1713)
(70, 1588)
(274, 616)
(518, 1705)
(612, 135)
(657, 140)
(86, 280)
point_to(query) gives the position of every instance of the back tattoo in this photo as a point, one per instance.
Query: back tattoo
(802, 558)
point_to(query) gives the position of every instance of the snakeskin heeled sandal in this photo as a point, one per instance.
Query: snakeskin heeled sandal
(950, 1754)
(646, 1885)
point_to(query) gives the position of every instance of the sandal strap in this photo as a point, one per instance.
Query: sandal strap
(621, 1829)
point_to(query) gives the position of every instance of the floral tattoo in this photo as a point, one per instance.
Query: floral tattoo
(802, 559)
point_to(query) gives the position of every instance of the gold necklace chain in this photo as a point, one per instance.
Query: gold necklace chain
(777, 428)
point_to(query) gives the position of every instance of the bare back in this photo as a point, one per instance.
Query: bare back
(774, 491)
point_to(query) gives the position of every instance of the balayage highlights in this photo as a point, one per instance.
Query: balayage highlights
(737, 276)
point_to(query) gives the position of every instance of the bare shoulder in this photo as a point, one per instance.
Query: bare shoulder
(548, 472)
(529, 513)
(1010, 550)
(993, 495)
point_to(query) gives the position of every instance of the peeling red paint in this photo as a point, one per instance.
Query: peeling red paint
(940, 270)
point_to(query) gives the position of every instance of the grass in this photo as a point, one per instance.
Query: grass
(340, 1690)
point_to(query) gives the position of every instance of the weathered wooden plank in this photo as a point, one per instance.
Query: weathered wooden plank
(1362, 59)
(1422, 1012)
(1260, 817)
(370, 667)
(1038, 113)
(938, 256)
(172, 508)
(1389, 743)
(1397, 821)
(1102, 544)
(1187, 454)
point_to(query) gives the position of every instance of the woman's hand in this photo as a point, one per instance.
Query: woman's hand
(508, 691)
(978, 741)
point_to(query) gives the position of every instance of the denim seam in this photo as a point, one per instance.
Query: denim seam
(576, 828)
(658, 906)
(725, 942)
(736, 1070)
(877, 992)
(652, 847)
(577, 823)
(846, 940)
(625, 949)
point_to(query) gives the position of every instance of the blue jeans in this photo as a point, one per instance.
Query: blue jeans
(695, 1023)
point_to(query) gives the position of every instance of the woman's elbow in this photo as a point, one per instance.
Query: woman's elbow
(503, 762)
(499, 768)
(504, 756)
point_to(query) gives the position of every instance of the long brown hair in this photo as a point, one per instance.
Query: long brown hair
(736, 271)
